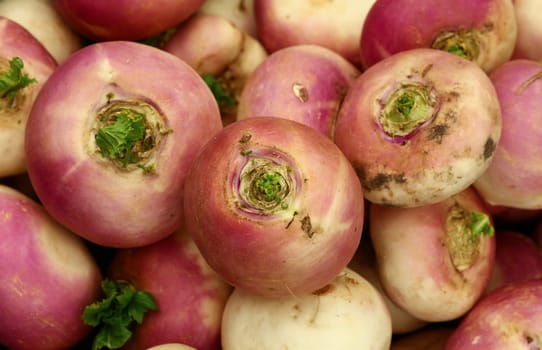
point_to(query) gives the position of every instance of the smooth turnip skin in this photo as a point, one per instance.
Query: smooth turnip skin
(16, 41)
(447, 140)
(294, 238)
(41, 19)
(427, 262)
(335, 25)
(239, 12)
(349, 313)
(517, 258)
(189, 294)
(305, 83)
(529, 30)
(508, 318)
(514, 177)
(213, 45)
(172, 346)
(487, 29)
(99, 20)
(95, 197)
(47, 278)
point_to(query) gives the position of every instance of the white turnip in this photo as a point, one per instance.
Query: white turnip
(529, 30)
(239, 12)
(483, 31)
(348, 313)
(274, 206)
(305, 83)
(419, 126)
(434, 261)
(514, 177)
(25, 65)
(47, 278)
(110, 138)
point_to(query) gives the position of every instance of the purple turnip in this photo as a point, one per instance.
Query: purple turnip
(348, 313)
(274, 206)
(482, 31)
(335, 25)
(514, 177)
(419, 126)
(434, 261)
(127, 20)
(305, 83)
(25, 65)
(110, 139)
(510, 317)
(47, 277)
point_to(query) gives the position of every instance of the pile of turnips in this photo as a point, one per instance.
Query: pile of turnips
(256, 174)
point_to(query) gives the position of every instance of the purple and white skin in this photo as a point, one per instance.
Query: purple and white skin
(189, 294)
(47, 278)
(335, 25)
(97, 176)
(419, 126)
(434, 261)
(514, 178)
(41, 19)
(274, 206)
(305, 83)
(510, 317)
(16, 97)
(130, 20)
(482, 31)
(529, 30)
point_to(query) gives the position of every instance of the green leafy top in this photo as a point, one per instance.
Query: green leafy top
(118, 140)
(115, 315)
(13, 80)
(480, 224)
(219, 91)
(160, 39)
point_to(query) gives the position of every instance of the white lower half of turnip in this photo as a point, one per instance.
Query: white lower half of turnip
(239, 12)
(348, 313)
(47, 278)
(529, 30)
(419, 126)
(274, 206)
(434, 261)
(110, 138)
(507, 318)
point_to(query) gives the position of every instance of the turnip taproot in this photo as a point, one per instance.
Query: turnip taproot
(305, 83)
(348, 313)
(510, 317)
(25, 65)
(274, 206)
(514, 177)
(434, 261)
(128, 20)
(47, 278)
(107, 150)
(419, 126)
(482, 31)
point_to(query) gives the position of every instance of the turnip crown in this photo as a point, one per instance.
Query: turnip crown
(12, 81)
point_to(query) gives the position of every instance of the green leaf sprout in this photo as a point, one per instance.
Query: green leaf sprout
(219, 91)
(13, 80)
(480, 224)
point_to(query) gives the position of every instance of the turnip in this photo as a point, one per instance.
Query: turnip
(25, 65)
(482, 31)
(110, 139)
(514, 177)
(189, 295)
(274, 206)
(419, 126)
(517, 258)
(434, 261)
(510, 317)
(128, 20)
(222, 53)
(172, 346)
(348, 313)
(41, 19)
(47, 277)
(305, 83)
(239, 12)
(335, 25)
(529, 29)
